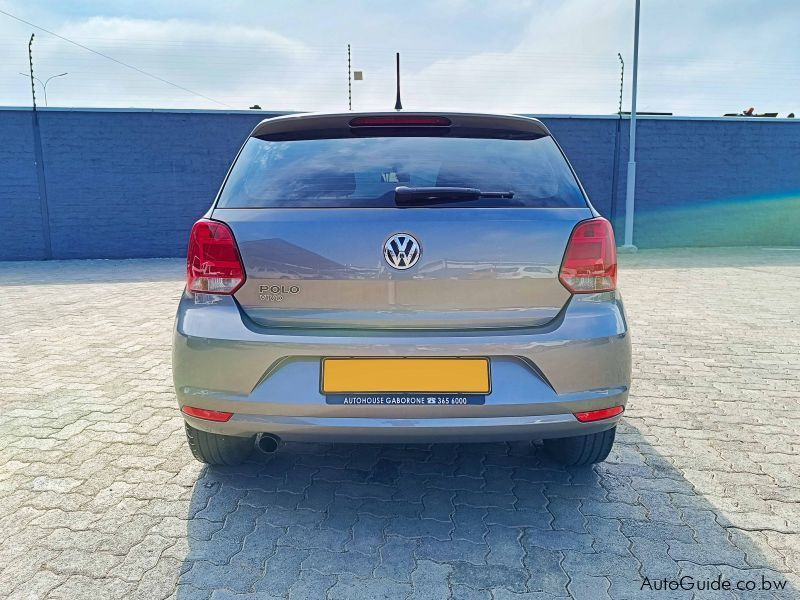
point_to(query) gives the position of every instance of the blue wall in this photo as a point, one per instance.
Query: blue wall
(19, 191)
(130, 183)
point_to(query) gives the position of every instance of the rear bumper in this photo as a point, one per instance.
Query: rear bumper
(269, 379)
(427, 430)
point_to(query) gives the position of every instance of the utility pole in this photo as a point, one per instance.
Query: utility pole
(630, 196)
(349, 82)
(30, 66)
(621, 80)
(615, 169)
(38, 157)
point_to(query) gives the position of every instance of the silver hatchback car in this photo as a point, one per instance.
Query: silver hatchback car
(401, 277)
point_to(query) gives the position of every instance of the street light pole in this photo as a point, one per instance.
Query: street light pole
(44, 83)
(48, 81)
(630, 196)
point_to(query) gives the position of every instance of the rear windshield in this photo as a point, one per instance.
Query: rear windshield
(364, 172)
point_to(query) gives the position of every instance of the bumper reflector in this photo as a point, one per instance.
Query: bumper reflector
(598, 415)
(208, 415)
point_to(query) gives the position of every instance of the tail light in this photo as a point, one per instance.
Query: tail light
(213, 265)
(590, 262)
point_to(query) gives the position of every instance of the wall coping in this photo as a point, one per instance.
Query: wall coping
(284, 112)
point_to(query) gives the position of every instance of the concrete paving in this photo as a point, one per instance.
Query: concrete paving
(100, 497)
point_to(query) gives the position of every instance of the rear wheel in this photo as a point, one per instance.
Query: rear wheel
(215, 449)
(581, 449)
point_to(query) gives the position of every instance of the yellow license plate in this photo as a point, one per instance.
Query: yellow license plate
(413, 375)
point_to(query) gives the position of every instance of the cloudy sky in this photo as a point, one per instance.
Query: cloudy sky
(698, 57)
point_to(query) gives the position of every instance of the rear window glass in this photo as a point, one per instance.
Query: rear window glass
(364, 172)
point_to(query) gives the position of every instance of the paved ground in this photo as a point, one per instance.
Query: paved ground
(100, 498)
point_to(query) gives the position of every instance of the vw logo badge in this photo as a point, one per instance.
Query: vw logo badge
(401, 251)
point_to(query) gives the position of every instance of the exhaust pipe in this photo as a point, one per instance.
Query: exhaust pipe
(267, 443)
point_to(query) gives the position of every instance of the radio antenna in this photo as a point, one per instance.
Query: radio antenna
(397, 104)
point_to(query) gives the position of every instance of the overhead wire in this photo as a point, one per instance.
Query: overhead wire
(111, 58)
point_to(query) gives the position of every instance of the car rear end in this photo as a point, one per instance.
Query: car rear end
(401, 277)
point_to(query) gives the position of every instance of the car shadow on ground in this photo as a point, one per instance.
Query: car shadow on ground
(467, 521)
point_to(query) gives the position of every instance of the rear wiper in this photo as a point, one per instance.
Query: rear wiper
(418, 196)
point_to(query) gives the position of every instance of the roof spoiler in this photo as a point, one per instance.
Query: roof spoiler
(343, 124)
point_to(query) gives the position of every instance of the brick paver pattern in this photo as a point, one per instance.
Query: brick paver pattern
(100, 497)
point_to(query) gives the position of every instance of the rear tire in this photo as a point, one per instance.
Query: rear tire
(216, 449)
(583, 449)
